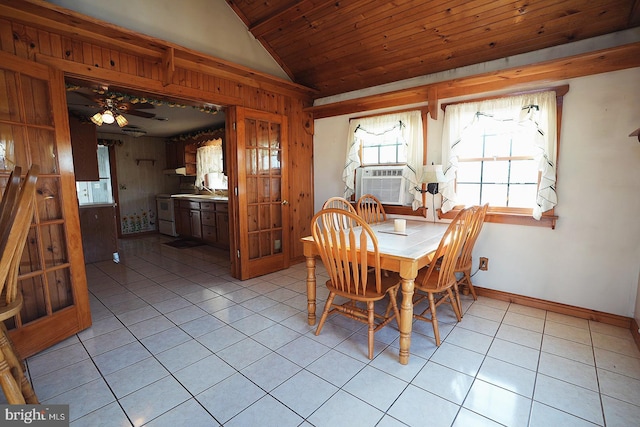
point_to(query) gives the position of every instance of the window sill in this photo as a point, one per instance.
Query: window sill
(405, 210)
(548, 219)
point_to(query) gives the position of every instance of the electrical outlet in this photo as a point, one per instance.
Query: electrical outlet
(484, 263)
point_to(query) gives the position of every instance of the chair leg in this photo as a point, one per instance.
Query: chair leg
(372, 327)
(434, 319)
(9, 385)
(470, 285)
(17, 368)
(456, 291)
(393, 295)
(325, 313)
(454, 304)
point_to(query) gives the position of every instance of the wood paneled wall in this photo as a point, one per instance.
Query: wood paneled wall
(95, 51)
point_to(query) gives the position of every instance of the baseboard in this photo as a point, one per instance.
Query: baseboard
(570, 310)
(635, 332)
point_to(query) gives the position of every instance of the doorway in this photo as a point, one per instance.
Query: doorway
(140, 147)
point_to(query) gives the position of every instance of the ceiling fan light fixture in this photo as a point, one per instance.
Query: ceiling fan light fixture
(97, 119)
(121, 120)
(107, 117)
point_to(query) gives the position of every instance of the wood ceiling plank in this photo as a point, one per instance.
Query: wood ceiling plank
(401, 49)
(290, 12)
(402, 64)
(364, 20)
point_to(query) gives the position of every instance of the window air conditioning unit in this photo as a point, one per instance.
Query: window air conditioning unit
(384, 182)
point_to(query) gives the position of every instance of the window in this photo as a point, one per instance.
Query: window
(496, 165)
(502, 151)
(97, 191)
(209, 166)
(391, 139)
(384, 148)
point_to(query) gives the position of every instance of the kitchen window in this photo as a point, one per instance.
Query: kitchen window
(97, 191)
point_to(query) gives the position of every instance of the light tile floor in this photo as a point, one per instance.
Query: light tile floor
(176, 341)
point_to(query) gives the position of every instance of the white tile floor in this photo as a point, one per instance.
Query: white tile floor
(176, 341)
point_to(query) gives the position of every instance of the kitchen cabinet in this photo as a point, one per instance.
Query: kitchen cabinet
(183, 218)
(206, 220)
(196, 223)
(188, 222)
(181, 154)
(84, 146)
(222, 224)
(99, 232)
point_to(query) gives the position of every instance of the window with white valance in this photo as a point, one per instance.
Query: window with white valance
(502, 151)
(385, 140)
(209, 166)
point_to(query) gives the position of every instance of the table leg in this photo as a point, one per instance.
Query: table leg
(311, 290)
(406, 319)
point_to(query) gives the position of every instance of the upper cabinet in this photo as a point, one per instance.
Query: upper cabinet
(182, 154)
(84, 144)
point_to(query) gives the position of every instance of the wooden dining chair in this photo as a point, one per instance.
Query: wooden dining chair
(13, 381)
(9, 197)
(370, 209)
(354, 273)
(439, 278)
(339, 203)
(465, 261)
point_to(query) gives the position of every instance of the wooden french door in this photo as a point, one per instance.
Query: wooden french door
(34, 129)
(261, 211)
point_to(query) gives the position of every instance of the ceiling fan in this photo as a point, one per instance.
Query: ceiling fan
(113, 110)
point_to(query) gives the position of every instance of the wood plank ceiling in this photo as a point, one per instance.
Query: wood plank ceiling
(337, 46)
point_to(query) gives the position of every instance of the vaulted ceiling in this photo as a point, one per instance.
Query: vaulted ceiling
(337, 46)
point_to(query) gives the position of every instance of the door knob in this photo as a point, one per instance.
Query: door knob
(285, 202)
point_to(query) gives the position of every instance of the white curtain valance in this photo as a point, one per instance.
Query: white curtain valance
(533, 113)
(405, 126)
(208, 161)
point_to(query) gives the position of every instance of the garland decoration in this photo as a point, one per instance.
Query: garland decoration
(125, 97)
(197, 135)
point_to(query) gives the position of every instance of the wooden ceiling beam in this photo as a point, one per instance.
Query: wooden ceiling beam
(145, 85)
(521, 78)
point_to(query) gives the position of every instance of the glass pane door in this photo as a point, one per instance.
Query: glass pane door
(263, 204)
(34, 131)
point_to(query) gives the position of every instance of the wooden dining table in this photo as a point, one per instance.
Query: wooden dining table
(403, 252)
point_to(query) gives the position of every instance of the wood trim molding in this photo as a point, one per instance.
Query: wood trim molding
(556, 307)
(570, 310)
(517, 78)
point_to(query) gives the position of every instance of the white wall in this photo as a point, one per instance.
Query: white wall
(207, 26)
(591, 259)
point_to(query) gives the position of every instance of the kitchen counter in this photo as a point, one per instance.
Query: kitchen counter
(199, 197)
(96, 205)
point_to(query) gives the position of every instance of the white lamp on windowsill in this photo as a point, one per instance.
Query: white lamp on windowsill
(432, 175)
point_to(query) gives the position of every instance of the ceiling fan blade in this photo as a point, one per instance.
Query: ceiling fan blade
(92, 98)
(84, 106)
(138, 106)
(139, 114)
